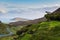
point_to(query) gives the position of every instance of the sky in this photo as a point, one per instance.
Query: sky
(29, 9)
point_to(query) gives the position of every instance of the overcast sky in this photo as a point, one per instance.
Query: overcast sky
(29, 9)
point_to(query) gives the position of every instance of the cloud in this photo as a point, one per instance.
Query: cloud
(3, 11)
(24, 10)
(9, 11)
(6, 7)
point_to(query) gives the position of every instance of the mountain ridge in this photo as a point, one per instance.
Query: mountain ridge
(28, 22)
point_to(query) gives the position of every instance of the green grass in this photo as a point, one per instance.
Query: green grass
(6, 38)
(26, 37)
(14, 29)
(42, 31)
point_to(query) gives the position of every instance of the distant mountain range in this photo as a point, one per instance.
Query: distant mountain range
(19, 19)
(28, 22)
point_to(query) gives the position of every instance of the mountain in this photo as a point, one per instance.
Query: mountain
(56, 11)
(28, 22)
(19, 19)
(37, 20)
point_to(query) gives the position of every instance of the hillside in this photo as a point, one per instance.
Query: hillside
(41, 31)
(3, 28)
(48, 30)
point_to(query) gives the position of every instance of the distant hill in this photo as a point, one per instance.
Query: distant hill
(28, 22)
(19, 19)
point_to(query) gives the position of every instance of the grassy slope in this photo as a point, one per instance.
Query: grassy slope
(13, 29)
(3, 28)
(41, 31)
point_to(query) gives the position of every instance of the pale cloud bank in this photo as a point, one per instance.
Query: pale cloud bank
(9, 11)
(6, 7)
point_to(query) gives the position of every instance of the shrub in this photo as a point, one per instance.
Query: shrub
(53, 16)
